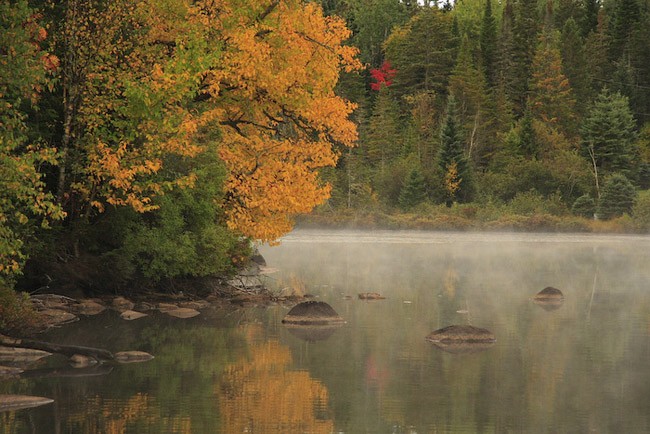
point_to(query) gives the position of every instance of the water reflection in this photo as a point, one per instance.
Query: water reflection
(261, 393)
(579, 368)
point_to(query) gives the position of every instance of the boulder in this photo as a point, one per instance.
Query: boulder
(461, 333)
(121, 304)
(164, 307)
(549, 298)
(56, 317)
(132, 356)
(549, 293)
(16, 402)
(462, 339)
(312, 313)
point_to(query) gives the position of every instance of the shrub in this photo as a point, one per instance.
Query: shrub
(15, 309)
(584, 206)
(641, 211)
(617, 198)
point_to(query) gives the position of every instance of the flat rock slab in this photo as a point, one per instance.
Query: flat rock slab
(12, 354)
(17, 402)
(58, 316)
(89, 307)
(130, 315)
(9, 371)
(371, 296)
(132, 356)
(182, 312)
(164, 307)
(196, 305)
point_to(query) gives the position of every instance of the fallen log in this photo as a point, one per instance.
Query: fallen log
(66, 350)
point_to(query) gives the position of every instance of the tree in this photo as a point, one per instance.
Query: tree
(423, 52)
(414, 189)
(524, 33)
(551, 100)
(617, 198)
(608, 134)
(574, 63)
(488, 44)
(25, 72)
(452, 160)
(584, 206)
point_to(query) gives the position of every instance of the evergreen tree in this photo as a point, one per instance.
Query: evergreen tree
(527, 140)
(574, 63)
(584, 206)
(617, 198)
(452, 156)
(467, 84)
(589, 22)
(551, 99)
(608, 134)
(414, 190)
(625, 16)
(423, 52)
(383, 138)
(525, 40)
(488, 45)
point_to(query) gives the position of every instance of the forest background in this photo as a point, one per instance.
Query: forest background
(143, 142)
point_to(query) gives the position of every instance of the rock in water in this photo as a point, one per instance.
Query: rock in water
(16, 402)
(462, 339)
(549, 298)
(132, 356)
(312, 313)
(461, 333)
(130, 315)
(371, 296)
(182, 312)
(549, 293)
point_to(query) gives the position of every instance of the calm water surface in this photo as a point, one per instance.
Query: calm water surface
(580, 368)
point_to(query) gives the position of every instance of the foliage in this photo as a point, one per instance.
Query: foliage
(25, 72)
(382, 76)
(617, 198)
(15, 309)
(641, 210)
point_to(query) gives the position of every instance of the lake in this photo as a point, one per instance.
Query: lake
(576, 367)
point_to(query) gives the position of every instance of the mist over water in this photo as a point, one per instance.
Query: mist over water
(579, 366)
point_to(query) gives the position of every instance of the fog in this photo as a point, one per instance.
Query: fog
(561, 368)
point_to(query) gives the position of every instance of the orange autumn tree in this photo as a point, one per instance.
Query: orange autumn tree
(273, 95)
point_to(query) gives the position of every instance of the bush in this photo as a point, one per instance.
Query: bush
(584, 206)
(617, 197)
(15, 309)
(641, 211)
(532, 202)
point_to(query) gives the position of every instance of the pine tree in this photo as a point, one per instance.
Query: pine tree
(525, 39)
(574, 63)
(589, 22)
(618, 197)
(414, 190)
(608, 135)
(527, 140)
(551, 100)
(625, 16)
(488, 45)
(452, 155)
(383, 138)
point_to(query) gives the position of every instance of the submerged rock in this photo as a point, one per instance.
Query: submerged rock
(371, 296)
(121, 304)
(182, 312)
(57, 317)
(80, 361)
(16, 402)
(312, 313)
(132, 356)
(461, 333)
(89, 307)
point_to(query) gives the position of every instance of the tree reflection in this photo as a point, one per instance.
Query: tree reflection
(261, 394)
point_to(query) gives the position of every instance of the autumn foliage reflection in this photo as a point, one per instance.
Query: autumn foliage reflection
(261, 394)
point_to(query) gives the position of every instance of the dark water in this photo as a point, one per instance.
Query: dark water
(581, 367)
